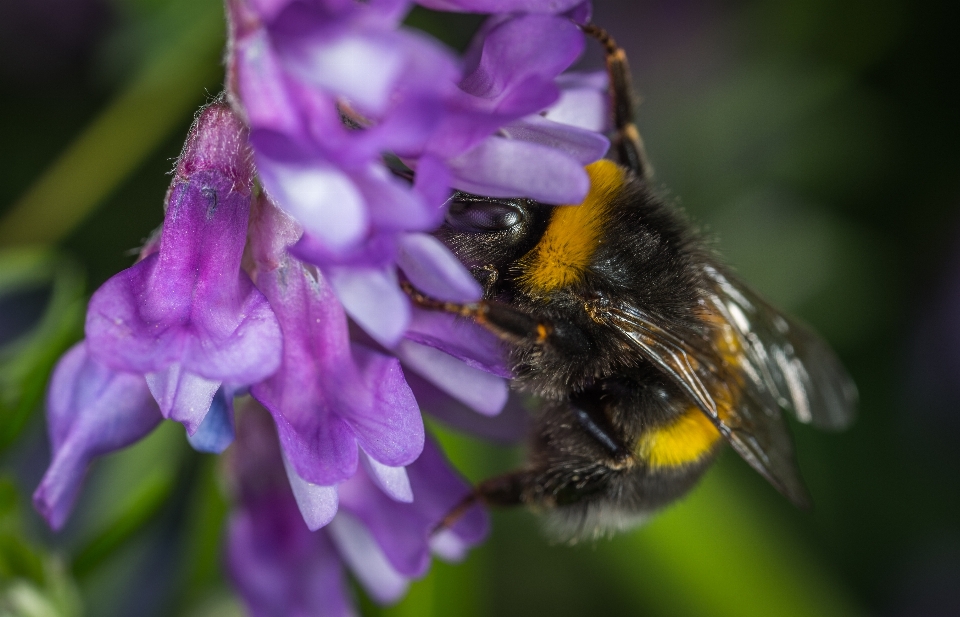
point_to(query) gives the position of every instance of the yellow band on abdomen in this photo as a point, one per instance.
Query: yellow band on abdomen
(685, 440)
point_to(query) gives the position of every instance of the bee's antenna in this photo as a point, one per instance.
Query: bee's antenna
(627, 143)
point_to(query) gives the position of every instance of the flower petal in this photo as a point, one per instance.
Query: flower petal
(92, 410)
(509, 426)
(480, 390)
(392, 480)
(374, 300)
(582, 145)
(318, 504)
(461, 338)
(182, 396)
(508, 168)
(435, 270)
(500, 6)
(216, 431)
(368, 563)
(322, 198)
(389, 427)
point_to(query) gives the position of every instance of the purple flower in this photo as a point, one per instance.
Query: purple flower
(298, 68)
(283, 223)
(282, 568)
(91, 410)
(187, 317)
(329, 397)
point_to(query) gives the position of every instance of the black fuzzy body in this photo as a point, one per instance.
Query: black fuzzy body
(599, 396)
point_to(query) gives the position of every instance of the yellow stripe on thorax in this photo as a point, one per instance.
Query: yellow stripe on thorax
(573, 234)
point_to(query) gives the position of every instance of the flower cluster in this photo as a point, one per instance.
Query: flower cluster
(285, 221)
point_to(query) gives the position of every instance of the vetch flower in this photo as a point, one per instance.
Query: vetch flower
(91, 410)
(281, 568)
(297, 69)
(330, 397)
(187, 317)
(301, 199)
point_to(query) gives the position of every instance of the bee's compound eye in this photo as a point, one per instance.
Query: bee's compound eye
(482, 216)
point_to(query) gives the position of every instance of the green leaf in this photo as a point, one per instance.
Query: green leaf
(28, 351)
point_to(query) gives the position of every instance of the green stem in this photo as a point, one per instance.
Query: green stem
(120, 138)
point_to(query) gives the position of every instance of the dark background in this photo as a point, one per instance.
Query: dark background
(815, 141)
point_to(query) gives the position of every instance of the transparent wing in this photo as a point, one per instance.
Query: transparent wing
(747, 418)
(782, 361)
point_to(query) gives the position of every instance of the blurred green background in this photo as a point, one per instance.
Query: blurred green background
(815, 141)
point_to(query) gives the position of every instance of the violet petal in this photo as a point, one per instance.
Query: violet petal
(367, 561)
(402, 531)
(276, 563)
(435, 270)
(318, 504)
(510, 426)
(91, 410)
(328, 396)
(320, 197)
(508, 168)
(182, 396)
(216, 432)
(374, 300)
(461, 338)
(480, 390)
(582, 145)
(500, 6)
(392, 480)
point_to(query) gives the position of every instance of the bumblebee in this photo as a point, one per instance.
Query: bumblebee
(647, 353)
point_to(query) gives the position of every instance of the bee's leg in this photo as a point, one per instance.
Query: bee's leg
(627, 143)
(501, 491)
(506, 322)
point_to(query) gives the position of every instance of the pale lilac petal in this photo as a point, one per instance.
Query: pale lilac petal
(92, 410)
(281, 570)
(393, 206)
(378, 250)
(388, 425)
(190, 303)
(402, 531)
(182, 396)
(216, 431)
(579, 144)
(374, 300)
(521, 52)
(392, 480)
(480, 390)
(368, 563)
(328, 395)
(448, 546)
(501, 6)
(461, 338)
(507, 168)
(361, 66)
(584, 101)
(510, 426)
(317, 504)
(267, 102)
(324, 200)
(277, 564)
(435, 270)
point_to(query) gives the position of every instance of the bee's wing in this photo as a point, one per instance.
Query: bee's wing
(753, 425)
(783, 362)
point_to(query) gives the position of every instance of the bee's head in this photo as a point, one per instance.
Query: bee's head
(488, 234)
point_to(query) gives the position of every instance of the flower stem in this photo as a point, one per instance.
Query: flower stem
(125, 133)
